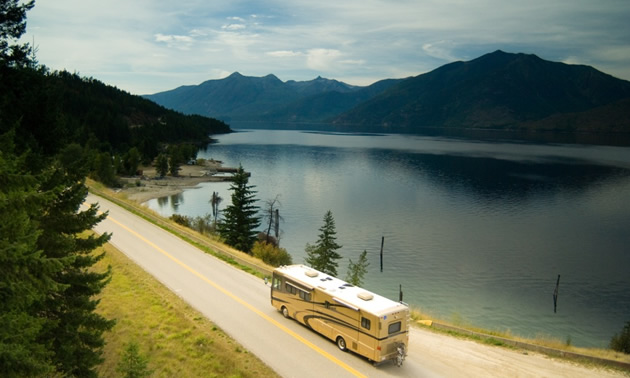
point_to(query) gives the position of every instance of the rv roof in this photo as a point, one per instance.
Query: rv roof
(345, 292)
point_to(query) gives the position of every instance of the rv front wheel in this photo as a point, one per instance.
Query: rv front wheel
(285, 312)
(341, 343)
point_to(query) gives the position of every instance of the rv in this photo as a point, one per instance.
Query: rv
(357, 320)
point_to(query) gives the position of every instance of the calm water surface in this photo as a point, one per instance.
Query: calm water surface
(476, 232)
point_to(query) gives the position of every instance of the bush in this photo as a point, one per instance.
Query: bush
(621, 342)
(274, 256)
(181, 219)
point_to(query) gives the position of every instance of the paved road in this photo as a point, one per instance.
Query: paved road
(239, 303)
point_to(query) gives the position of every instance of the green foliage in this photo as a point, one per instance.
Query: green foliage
(323, 255)
(47, 286)
(239, 219)
(357, 271)
(12, 26)
(75, 329)
(203, 225)
(25, 273)
(72, 109)
(104, 170)
(175, 160)
(132, 364)
(621, 342)
(161, 165)
(270, 254)
(181, 220)
(131, 161)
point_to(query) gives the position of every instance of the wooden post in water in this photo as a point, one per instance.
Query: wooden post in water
(382, 242)
(555, 295)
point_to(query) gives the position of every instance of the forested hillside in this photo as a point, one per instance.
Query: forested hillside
(50, 110)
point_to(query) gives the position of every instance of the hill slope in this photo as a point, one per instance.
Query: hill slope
(59, 108)
(497, 91)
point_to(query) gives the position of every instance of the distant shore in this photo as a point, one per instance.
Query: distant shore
(148, 186)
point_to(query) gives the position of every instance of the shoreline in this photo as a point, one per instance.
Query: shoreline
(148, 186)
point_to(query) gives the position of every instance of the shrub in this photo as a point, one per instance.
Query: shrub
(181, 219)
(132, 364)
(274, 256)
(621, 342)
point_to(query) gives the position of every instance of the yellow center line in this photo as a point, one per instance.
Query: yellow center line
(241, 301)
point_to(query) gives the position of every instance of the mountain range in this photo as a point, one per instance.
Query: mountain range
(497, 91)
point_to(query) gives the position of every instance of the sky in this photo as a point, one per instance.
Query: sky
(149, 46)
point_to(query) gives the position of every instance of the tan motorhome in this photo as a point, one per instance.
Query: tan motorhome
(356, 319)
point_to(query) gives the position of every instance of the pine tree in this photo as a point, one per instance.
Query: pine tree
(161, 165)
(323, 255)
(357, 271)
(25, 273)
(238, 227)
(133, 364)
(12, 26)
(74, 331)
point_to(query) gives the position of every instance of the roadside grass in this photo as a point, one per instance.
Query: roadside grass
(177, 340)
(256, 267)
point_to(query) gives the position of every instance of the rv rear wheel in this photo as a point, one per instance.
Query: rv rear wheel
(341, 343)
(285, 312)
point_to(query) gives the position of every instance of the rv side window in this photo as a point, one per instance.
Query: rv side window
(290, 289)
(365, 323)
(306, 296)
(393, 328)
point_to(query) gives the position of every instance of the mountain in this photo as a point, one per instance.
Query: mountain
(498, 91)
(239, 98)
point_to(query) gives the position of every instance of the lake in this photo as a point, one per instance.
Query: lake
(476, 232)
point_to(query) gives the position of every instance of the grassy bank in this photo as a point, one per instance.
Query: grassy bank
(176, 339)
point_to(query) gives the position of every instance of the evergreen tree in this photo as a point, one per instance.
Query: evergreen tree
(357, 271)
(25, 273)
(161, 165)
(323, 255)
(239, 219)
(12, 26)
(74, 331)
(133, 364)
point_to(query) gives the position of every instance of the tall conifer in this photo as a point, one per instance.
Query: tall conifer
(323, 255)
(74, 330)
(240, 221)
(25, 273)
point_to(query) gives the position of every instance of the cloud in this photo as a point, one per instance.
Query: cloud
(233, 27)
(284, 53)
(322, 59)
(152, 45)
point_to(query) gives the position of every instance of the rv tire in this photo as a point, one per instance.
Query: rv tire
(285, 312)
(341, 343)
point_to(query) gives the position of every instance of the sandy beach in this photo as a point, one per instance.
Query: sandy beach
(148, 186)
